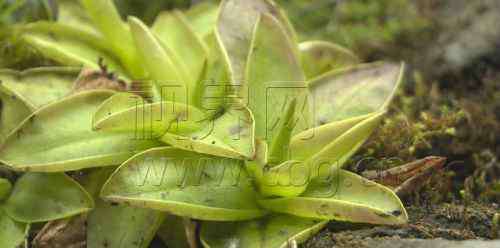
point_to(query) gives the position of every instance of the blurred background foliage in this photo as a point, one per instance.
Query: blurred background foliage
(365, 26)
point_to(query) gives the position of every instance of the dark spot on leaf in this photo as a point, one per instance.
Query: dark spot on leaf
(383, 215)
(213, 142)
(396, 212)
(114, 204)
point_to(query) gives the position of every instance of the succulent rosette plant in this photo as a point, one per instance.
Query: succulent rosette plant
(217, 114)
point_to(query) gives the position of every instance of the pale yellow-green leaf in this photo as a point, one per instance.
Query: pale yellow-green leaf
(185, 184)
(13, 110)
(273, 231)
(319, 57)
(228, 135)
(274, 77)
(353, 91)
(118, 226)
(173, 30)
(202, 18)
(286, 180)
(279, 148)
(40, 86)
(164, 68)
(235, 27)
(12, 233)
(338, 151)
(72, 13)
(71, 46)
(59, 137)
(106, 18)
(214, 90)
(343, 196)
(40, 197)
(307, 143)
(129, 113)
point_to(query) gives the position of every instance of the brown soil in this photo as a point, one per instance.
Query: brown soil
(447, 221)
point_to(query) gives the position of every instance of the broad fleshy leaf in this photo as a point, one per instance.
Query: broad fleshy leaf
(185, 184)
(106, 18)
(72, 13)
(13, 110)
(355, 91)
(286, 180)
(234, 29)
(319, 57)
(173, 233)
(229, 135)
(5, 188)
(173, 30)
(274, 76)
(214, 90)
(39, 86)
(71, 45)
(129, 113)
(122, 226)
(59, 137)
(50, 196)
(12, 233)
(202, 18)
(307, 143)
(342, 148)
(279, 148)
(343, 196)
(162, 64)
(273, 231)
(117, 225)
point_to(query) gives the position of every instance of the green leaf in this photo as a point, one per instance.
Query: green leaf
(273, 231)
(5, 188)
(129, 113)
(39, 86)
(107, 20)
(71, 12)
(59, 137)
(121, 226)
(235, 27)
(279, 151)
(309, 142)
(52, 196)
(287, 179)
(173, 233)
(71, 46)
(12, 233)
(229, 135)
(215, 91)
(173, 30)
(202, 18)
(274, 75)
(13, 110)
(185, 184)
(343, 196)
(161, 63)
(319, 57)
(117, 225)
(354, 91)
(338, 151)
